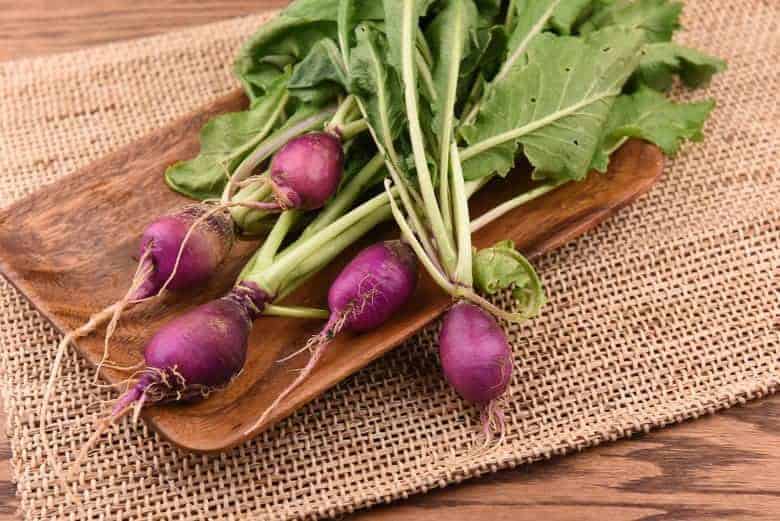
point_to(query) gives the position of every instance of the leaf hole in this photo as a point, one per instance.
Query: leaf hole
(568, 69)
(533, 100)
(606, 49)
(576, 142)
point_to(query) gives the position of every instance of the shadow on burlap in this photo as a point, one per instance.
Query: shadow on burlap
(666, 312)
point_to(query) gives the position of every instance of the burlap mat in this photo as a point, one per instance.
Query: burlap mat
(664, 313)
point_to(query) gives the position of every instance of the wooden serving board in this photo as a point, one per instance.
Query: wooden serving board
(70, 250)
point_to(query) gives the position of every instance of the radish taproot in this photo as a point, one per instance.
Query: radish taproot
(367, 292)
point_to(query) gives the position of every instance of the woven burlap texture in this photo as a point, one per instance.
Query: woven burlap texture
(665, 312)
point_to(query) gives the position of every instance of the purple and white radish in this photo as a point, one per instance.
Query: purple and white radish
(476, 360)
(306, 172)
(367, 292)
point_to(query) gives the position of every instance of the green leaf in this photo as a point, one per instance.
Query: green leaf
(648, 115)
(225, 141)
(501, 267)
(282, 41)
(449, 37)
(569, 13)
(378, 87)
(350, 14)
(658, 19)
(662, 61)
(554, 106)
(393, 16)
(320, 76)
(530, 20)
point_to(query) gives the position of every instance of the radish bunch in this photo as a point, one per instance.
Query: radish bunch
(450, 92)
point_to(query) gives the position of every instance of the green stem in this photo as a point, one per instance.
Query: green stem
(411, 210)
(271, 278)
(245, 217)
(510, 15)
(426, 260)
(264, 257)
(443, 239)
(464, 268)
(469, 113)
(331, 250)
(337, 206)
(341, 113)
(423, 48)
(350, 130)
(425, 74)
(275, 310)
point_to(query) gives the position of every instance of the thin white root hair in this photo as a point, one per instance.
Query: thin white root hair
(317, 344)
(142, 273)
(102, 426)
(89, 327)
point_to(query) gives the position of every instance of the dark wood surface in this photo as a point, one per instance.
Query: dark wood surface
(718, 467)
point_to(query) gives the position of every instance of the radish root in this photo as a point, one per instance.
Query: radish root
(90, 326)
(317, 345)
(142, 273)
(493, 422)
(103, 425)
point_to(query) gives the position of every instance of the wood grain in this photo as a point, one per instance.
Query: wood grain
(80, 236)
(638, 479)
(34, 27)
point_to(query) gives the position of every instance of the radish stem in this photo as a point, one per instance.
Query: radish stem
(439, 232)
(295, 312)
(464, 268)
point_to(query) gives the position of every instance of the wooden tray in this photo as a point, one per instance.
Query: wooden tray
(70, 250)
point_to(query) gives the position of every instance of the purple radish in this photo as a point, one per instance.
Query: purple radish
(476, 360)
(206, 247)
(190, 357)
(367, 292)
(306, 172)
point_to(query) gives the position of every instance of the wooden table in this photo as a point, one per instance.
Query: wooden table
(720, 467)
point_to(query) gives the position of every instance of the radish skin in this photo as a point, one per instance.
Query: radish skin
(306, 171)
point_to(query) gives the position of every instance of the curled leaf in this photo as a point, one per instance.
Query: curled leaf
(502, 267)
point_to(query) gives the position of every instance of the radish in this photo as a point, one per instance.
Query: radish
(367, 292)
(306, 172)
(198, 352)
(190, 357)
(204, 349)
(476, 360)
(204, 250)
